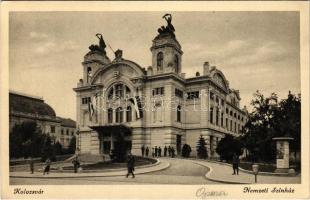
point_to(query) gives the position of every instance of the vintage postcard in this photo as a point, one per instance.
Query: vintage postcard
(155, 100)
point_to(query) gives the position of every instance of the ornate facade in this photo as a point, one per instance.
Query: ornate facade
(153, 106)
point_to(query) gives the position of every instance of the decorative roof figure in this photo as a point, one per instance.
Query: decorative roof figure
(101, 47)
(169, 29)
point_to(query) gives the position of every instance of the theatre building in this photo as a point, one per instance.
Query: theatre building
(154, 105)
(30, 108)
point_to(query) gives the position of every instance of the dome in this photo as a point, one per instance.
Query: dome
(30, 105)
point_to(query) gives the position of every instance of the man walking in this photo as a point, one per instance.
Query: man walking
(130, 165)
(31, 165)
(235, 162)
(153, 152)
(76, 164)
(47, 166)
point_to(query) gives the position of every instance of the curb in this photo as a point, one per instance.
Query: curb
(208, 176)
(121, 173)
(107, 170)
(248, 171)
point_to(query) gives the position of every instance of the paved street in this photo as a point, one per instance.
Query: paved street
(179, 172)
(168, 171)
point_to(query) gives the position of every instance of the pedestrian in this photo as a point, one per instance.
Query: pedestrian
(147, 151)
(172, 152)
(142, 150)
(153, 152)
(169, 151)
(165, 151)
(31, 165)
(159, 151)
(235, 162)
(156, 151)
(76, 164)
(130, 165)
(47, 166)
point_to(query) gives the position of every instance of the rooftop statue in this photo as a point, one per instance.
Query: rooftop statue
(169, 29)
(101, 47)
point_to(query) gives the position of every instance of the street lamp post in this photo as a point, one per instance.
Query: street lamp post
(255, 168)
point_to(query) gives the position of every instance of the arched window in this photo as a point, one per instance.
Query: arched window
(119, 91)
(119, 115)
(160, 61)
(129, 114)
(89, 74)
(110, 95)
(179, 113)
(176, 63)
(110, 115)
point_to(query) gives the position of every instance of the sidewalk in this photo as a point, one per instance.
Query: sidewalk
(122, 172)
(223, 173)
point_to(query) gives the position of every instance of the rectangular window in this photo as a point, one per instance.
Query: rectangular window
(178, 93)
(217, 100)
(222, 119)
(158, 91)
(193, 95)
(231, 124)
(235, 127)
(211, 115)
(227, 123)
(211, 96)
(62, 131)
(222, 102)
(217, 117)
(52, 129)
(85, 100)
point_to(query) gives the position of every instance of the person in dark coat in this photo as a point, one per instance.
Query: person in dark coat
(153, 152)
(156, 151)
(235, 162)
(165, 151)
(31, 165)
(147, 151)
(169, 151)
(76, 164)
(172, 152)
(47, 166)
(130, 165)
(159, 151)
(142, 150)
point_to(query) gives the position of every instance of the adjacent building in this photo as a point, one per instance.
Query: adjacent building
(24, 107)
(155, 105)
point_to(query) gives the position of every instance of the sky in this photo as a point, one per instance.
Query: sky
(254, 50)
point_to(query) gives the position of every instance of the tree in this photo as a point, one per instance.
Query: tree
(228, 146)
(186, 150)
(26, 140)
(201, 148)
(48, 150)
(271, 119)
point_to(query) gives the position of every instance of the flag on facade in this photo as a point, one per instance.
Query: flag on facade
(137, 106)
(91, 110)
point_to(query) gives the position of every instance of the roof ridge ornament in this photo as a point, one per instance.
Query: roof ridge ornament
(169, 29)
(101, 47)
